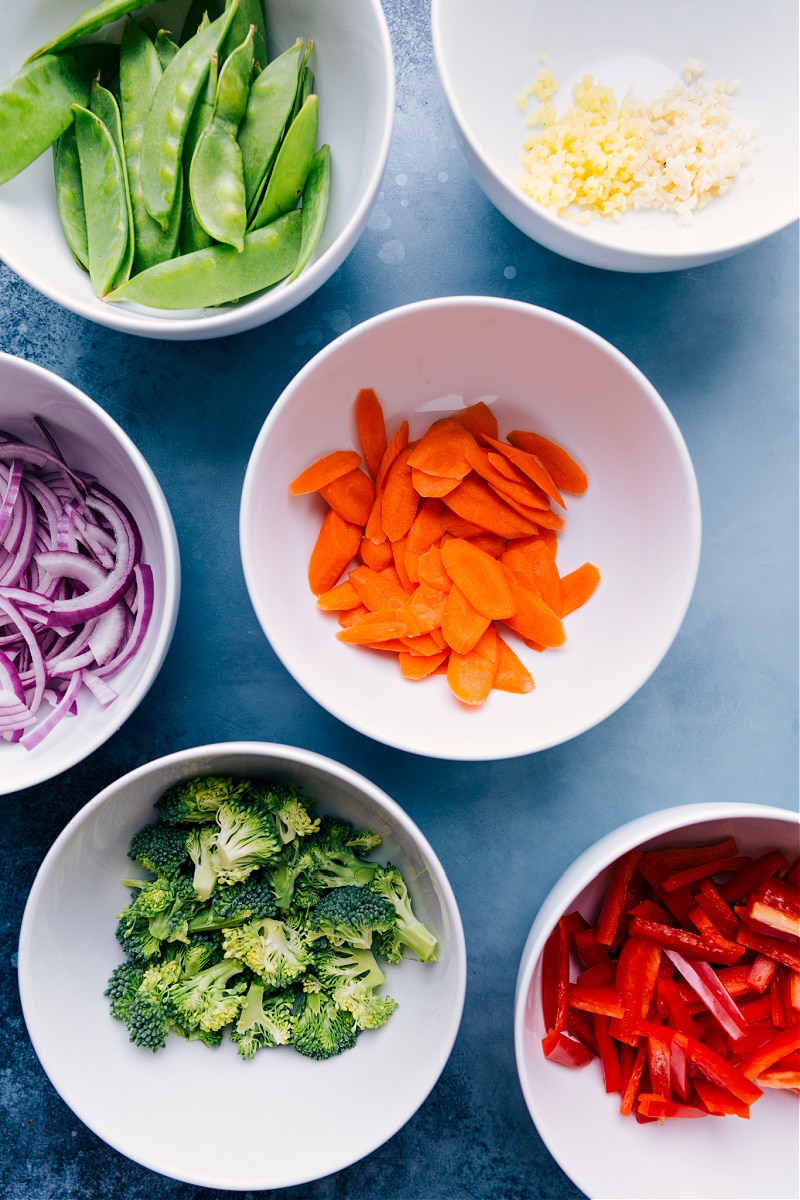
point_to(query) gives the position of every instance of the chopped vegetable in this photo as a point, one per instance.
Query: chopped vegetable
(261, 919)
(689, 1015)
(428, 548)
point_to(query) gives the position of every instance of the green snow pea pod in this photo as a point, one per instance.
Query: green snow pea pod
(104, 105)
(139, 74)
(69, 195)
(89, 21)
(199, 10)
(293, 162)
(166, 49)
(269, 105)
(216, 176)
(103, 198)
(36, 108)
(316, 195)
(249, 13)
(166, 122)
(218, 274)
(192, 235)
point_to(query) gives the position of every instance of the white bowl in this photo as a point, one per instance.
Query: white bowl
(91, 441)
(354, 71)
(486, 56)
(606, 1154)
(639, 521)
(155, 1108)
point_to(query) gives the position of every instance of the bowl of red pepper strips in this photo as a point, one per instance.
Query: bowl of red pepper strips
(657, 1019)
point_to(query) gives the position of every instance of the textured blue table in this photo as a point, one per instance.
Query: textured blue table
(717, 720)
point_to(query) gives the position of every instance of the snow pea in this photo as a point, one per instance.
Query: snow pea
(316, 195)
(292, 164)
(192, 235)
(36, 108)
(103, 197)
(216, 176)
(166, 122)
(69, 195)
(218, 274)
(89, 21)
(104, 105)
(269, 104)
(139, 74)
(166, 49)
(198, 12)
(250, 13)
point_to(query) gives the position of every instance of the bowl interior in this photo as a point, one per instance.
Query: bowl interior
(639, 521)
(354, 75)
(154, 1108)
(91, 441)
(604, 1153)
(486, 58)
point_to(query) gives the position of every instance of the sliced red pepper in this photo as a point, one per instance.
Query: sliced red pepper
(609, 1055)
(595, 1000)
(713, 1065)
(709, 899)
(776, 905)
(735, 979)
(588, 950)
(737, 887)
(564, 1050)
(655, 870)
(785, 1042)
(692, 945)
(761, 972)
(692, 875)
(631, 1082)
(662, 1110)
(678, 858)
(581, 1027)
(780, 1016)
(637, 975)
(555, 978)
(781, 951)
(613, 917)
(719, 1101)
(659, 1051)
(709, 932)
(674, 1008)
(602, 974)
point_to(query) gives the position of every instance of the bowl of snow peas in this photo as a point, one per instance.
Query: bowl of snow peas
(177, 169)
(319, 954)
(657, 1013)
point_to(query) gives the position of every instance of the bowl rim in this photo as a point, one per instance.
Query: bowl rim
(300, 756)
(276, 301)
(556, 234)
(128, 701)
(468, 749)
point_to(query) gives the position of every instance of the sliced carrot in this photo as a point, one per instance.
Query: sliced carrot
(376, 554)
(427, 527)
(475, 501)
(397, 442)
(532, 466)
(324, 471)
(399, 556)
(480, 577)
(533, 618)
(432, 485)
(425, 609)
(340, 598)
(491, 543)
(400, 499)
(577, 586)
(563, 469)
(431, 570)
(374, 526)
(458, 526)
(351, 615)
(462, 624)
(442, 450)
(335, 548)
(532, 562)
(470, 676)
(478, 418)
(352, 495)
(424, 644)
(417, 666)
(524, 491)
(511, 675)
(506, 467)
(371, 428)
(379, 626)
(376, 590)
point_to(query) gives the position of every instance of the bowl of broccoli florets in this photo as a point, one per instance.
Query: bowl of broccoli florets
(248, 920)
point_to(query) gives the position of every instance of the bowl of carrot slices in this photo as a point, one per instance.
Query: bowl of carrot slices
(470, 528)
(657, 1019)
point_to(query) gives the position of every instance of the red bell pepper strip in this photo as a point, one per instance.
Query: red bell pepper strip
(601, 974)
(719, 1101)
(692, 945)
(692, 875)
(595, 1000)
(673, 1008)
(637, 975)
(562, 1049)
(785, 1042)
(735, 979)
(654, 1106)
(709, 932)
(609, 1055)
(737, 887)
(718, 909)
(781, 951)
(761, 972)
(632, 1083)
(581, 1028)
(588, 950)
(776, 905)
(555, 978)
(614, 911)
(659, 1051)
(677, 858)
(704, 982)
(780, 1016)
(705, 1059)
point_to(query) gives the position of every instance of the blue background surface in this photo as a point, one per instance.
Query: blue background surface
(718, 720)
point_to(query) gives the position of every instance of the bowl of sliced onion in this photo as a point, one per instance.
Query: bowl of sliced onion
(89, 575)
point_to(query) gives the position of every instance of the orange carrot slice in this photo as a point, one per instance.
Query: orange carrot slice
(418, 666)
(432, 485)
(442, 450)
(431, 570)
(563, 469)
(400, 499)
(351, 615)
(480, 577)
(533, 619)
(375, 589)
(470, 676)
(397, 442)
(511, 675)
(533, 563)
(462, 624)
(352, 495)
(371, 428)
(475, 501)
(532, 466)
(478, 418)
(335, 548)
(577, 586)
(341, 598)
(524, 491)
(376, 554)
(379, 626)
(324, 471)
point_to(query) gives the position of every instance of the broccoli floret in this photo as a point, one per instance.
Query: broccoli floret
(336, 865)
(351, 915)
(245, 840)
(159, 912)
(408, 931)
(235, 904)
(263, 1021)
(320, 1028)
(276, 953)
(161, 848)
(197, 800)
(352, 978)
(207, 1001)
(202, 950)
(137, 996)
(344, 833)
(201, 845)
(290, 878)
(289, 810)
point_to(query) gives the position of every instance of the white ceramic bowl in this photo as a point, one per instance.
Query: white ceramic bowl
(354, 71)
(639, 521)
(487, 55)
(91, 441)
(613, 1157)
(155, 1108)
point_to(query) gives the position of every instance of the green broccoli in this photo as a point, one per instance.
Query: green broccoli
(351, 915)
(137, 996)
(245, 840)
(290, 877)
(352, 977)
(159, 911)
(197, 800)
(206, 1001)
(236, 903)
(201, 844)
(407, 931)
(161, 848)
(263, 1021)
(288, 809)
(320, 1029)
(361, 841)
(335, 864)
(270, 948)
